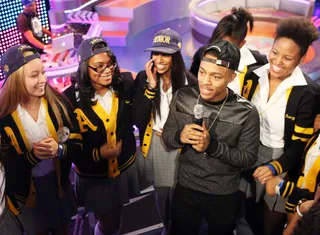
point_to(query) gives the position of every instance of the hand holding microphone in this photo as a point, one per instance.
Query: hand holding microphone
(196, 134)
(198, 119)
(198, 114)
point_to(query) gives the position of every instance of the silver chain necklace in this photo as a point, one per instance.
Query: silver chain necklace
(214, 120)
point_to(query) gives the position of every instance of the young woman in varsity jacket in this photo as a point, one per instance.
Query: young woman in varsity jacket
(309, 177)
(285, 99)
(36, 124)
(164, 74)
(103, 110)
(233, 28)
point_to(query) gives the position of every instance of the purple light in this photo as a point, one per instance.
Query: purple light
(205, 2)
(209, 23)
(58, 26)
(301, 1)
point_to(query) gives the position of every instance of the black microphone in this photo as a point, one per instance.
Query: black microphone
(198, 114)
(198, 118)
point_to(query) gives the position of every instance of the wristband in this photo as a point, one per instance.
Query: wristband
(60, 150)
(278, 187)
(274, 172)
(151, 82)
(150, 88)
(298, 211)
(298, 207)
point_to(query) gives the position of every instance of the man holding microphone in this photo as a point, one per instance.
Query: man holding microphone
(213, 154)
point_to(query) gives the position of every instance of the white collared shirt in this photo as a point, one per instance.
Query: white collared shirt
(165, 101)
(36, 131)
(2, 188)
(272, 111)
(105, 101)
(246, 59)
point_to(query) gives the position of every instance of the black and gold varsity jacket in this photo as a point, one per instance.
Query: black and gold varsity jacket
(142, 108)
(98, 127)
(299, 117)
(21, 159)
(308, 180)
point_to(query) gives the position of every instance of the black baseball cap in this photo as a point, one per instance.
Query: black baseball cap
(85, 50)
(166, 41)
(27, 2)
(228, 55)
(13, 58)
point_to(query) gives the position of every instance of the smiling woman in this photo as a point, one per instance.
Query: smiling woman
(164, 74)
(105, 171)
(31, 112)
(285, 99)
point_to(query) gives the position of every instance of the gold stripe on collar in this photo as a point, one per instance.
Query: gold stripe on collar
(147, 138)
(241, 77)
(110, 125)
(18, 122)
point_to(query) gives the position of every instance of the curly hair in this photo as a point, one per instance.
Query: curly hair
(84, 85)
(310, 223)
(300, 30)
(233, 25)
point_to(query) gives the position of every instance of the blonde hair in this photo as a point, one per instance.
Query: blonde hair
(14, 92)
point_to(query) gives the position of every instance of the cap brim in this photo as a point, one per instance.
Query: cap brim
(101, 50)
(95, 52)
(165, 50)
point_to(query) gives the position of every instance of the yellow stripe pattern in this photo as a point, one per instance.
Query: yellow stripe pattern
(277, 166)
(12, 208)
(75, 136)
(13, 139)
(294, 137)
(303, 130)
(149, 94)
(241, 77)
(288, 92)
(147, 139)
(110, 125)
(290, 207)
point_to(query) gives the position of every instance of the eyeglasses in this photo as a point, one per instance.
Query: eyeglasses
(101, 68)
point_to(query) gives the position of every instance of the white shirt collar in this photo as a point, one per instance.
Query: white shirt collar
(107, 94)
(22, 112)
(296, 79)
(246, 58)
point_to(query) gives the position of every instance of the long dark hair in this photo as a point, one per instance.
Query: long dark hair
(233, 25)
(84, 85)
(178, 80)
